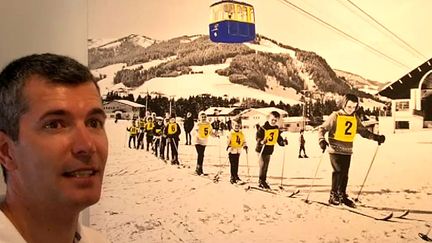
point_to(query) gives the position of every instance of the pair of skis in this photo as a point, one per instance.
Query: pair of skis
(275, 192)
(368, 214)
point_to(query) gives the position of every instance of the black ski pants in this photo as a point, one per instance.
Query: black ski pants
(341, 164)
(234, 161)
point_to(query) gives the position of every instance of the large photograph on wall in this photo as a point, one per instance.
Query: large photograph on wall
(264, 121)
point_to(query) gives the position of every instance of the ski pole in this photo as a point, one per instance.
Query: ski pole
(216, 177)
(313, 179)
(175, 147)
(283, 165)
(367, 173)
(247, 165)
(259, 158)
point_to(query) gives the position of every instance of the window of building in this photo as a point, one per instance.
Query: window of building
(402, 106)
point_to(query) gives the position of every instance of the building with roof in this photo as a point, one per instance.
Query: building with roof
(253, 116)
(123, 109)
(411, 98)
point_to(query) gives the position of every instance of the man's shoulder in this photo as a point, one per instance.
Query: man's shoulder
(8, 232)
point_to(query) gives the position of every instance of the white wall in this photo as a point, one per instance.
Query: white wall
(39, 26)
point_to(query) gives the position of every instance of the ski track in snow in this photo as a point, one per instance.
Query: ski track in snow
(146, 200)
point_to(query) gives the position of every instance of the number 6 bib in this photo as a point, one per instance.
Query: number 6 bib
(346, 128)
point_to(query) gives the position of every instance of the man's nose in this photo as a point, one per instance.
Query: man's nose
(83, 143)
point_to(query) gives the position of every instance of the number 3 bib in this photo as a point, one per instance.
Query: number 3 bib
(271, 135)
(346, 128)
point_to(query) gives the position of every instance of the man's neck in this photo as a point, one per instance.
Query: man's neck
(39, 223)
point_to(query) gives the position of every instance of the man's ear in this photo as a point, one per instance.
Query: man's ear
(6, 152)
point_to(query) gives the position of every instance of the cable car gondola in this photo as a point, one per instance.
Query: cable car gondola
(232, 22)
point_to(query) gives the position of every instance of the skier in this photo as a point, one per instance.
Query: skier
(149, 126)
(267, 136)
(164, 144)
(302, 145)
(140, 134)
(133, 130)
(188, 126)
(342, 126)
(172, 132)
(202, 133)
(236, 141)
(157, 131)
(216, 125)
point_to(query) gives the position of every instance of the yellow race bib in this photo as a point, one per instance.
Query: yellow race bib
(142, 123)
(172, 128)
(271, 136)
(346, 128)
(204, 130)
(149, 126)
(237, 140)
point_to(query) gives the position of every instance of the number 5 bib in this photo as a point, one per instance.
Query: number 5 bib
(204, 130)
(346, 128)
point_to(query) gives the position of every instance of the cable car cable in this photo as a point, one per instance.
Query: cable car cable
(418, 54)
(376, 51)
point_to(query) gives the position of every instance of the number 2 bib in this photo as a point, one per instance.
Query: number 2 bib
(346, 128)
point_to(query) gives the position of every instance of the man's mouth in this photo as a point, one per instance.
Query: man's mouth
(80, 173)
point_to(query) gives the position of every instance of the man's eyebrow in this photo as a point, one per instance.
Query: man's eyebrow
(97, 111)
(61, 112)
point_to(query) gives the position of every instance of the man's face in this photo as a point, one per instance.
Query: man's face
(62, 147)
(236, 127)
(350, 107)
(273, 120)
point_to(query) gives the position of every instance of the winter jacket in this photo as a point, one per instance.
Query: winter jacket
(342, 129)
(270, 134)
(236, 142)
(202, 133)
(188, 124)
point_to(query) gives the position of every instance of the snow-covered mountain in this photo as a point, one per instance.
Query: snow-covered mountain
(193, 65)
(137, 40)
(359, 82)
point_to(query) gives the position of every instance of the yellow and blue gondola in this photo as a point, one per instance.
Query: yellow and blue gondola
(232, 22)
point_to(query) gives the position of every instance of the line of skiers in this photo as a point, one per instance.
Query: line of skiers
(341, 126)
(161, 136)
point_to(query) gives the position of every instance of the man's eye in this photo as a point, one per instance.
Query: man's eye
(95, 123)
(54, 124)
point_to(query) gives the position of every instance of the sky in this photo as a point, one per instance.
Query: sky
(278, 20)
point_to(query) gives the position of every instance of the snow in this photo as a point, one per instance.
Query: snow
(270, 47)
(107, 84)
(142, 41)
(276, 89)
(93, 43)
(205, 83)
(111, 45)
(146, 200)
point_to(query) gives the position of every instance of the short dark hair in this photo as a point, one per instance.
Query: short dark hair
(53, 68)
(275, 114)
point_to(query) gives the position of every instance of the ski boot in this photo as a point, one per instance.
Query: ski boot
(334, 199)
(343, 198)
(264, 185)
